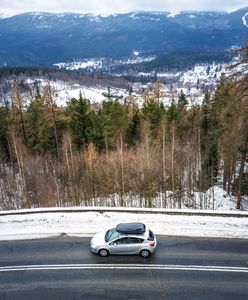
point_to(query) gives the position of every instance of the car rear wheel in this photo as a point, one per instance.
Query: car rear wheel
(103, 252)
(145, 253)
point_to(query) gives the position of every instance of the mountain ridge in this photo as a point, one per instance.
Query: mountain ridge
(43, 38)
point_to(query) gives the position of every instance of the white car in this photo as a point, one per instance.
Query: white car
(125, 239)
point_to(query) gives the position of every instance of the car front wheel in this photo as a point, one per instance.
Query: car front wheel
(103, 252)
(145, 253)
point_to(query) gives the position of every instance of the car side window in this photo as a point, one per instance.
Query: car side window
(133, 240)
(121, 241)
(127, 240)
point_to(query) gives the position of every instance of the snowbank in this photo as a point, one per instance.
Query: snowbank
(40, 225)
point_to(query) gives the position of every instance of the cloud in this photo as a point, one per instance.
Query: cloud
(118, 6)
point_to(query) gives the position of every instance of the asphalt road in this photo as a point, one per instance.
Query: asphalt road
(182, 268)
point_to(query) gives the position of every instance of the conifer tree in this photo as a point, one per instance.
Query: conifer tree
(182, 101)
(115, 121)
(172, 113)
(49, 101)
(17, 112)
(96, 131)
(153, 112)
(80, 122)
(210, 134)
(133, 131)
(4, 124)
(40, 128)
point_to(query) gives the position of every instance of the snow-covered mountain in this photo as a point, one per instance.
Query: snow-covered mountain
(49, 38)
(5, 15)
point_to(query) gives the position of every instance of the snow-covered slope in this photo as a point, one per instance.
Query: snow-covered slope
(227, 222)
(5, 15)
(41, 225)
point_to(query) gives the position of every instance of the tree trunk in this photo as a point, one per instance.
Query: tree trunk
(51, 104)
(163, 168)
(172, 163)
(241, 170)
(122, 171)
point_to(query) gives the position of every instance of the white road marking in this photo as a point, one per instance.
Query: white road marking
(124, 267)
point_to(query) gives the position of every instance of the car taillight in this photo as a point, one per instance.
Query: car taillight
(152, 244)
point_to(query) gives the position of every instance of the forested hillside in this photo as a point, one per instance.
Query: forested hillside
(44, 39)
(53, 156)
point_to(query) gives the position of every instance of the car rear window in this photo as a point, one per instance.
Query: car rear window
(151, 236)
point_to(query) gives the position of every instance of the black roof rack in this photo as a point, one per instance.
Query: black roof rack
(131, 228)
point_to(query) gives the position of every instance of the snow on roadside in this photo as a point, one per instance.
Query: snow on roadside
(29, 226)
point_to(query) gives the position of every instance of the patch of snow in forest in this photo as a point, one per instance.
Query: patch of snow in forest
(214, 198)
(172, 14)
(92, 94)
(84, 64)
(220, 200)
(165, 74)
(63, 91)
(208, 73)
(103, 63)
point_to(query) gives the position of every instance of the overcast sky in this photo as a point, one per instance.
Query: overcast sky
(118, 6)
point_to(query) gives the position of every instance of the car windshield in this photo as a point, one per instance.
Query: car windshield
(111, 235)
